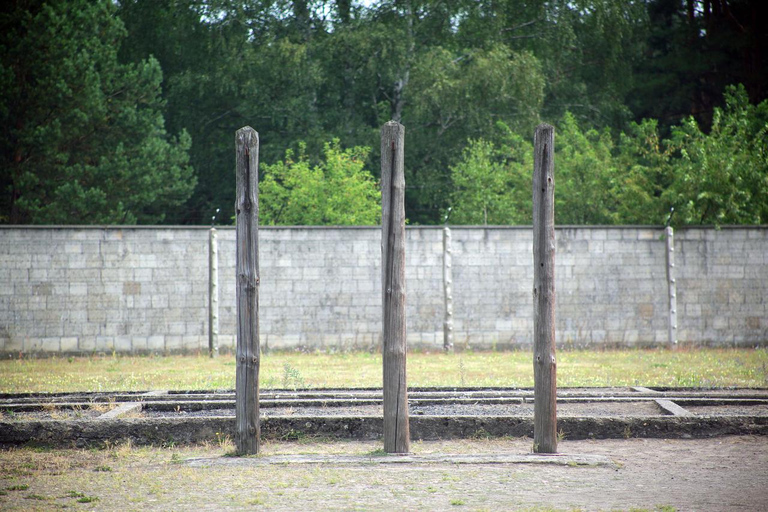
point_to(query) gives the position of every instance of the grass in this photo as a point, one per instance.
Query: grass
(576, 368)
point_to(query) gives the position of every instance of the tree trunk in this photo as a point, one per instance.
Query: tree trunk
(247, 279)
(344, 8)
(544, 363)
(401, 84)
(396, 428)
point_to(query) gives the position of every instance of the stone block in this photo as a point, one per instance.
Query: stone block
(123, 344)
(12, 344)
(193, 343)
(155, 343)
(159, 301)
(73, 248)
(86, 343)
(50, 344)
(105, 343)
(173, 343)
(69, 344)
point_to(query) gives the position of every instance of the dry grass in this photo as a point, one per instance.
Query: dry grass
(718, 472)
(682, 368)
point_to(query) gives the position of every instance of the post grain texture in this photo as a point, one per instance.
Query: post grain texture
(544, 362)
(396, 427)
(213, 293)
(671, 286)
(247, 292)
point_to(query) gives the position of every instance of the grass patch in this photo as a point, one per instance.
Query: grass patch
(576, 368)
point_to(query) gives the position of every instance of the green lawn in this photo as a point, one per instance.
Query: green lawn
(682, 368)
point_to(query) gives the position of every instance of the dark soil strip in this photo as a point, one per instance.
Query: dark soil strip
(167, 431)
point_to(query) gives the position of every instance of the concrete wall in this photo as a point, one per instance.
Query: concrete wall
(85, 289)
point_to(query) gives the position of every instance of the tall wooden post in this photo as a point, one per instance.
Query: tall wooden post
(247, 279)
(447, 290)
(544, 363)
(396, 428)
(671, 285)
(213, 294)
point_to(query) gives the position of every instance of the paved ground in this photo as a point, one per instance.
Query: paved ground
(719, 474)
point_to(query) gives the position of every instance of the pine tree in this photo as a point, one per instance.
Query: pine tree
(83, 137)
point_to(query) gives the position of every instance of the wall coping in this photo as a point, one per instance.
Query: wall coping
(377, 227)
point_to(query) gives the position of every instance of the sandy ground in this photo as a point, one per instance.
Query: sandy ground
(727, 473)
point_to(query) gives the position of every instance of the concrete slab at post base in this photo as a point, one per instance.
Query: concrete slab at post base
(177, 431)
(559, 459)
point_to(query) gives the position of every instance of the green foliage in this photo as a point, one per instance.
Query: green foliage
(645, 171)
(595, 182)
(83, 137)
(85, 106)
(722, 177)
(585, 175)
(716, 178)
(337, 191)
(493, 184)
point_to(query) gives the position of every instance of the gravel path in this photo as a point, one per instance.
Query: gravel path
(564, 410)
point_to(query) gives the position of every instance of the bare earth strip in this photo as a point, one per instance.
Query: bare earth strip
(719, 474)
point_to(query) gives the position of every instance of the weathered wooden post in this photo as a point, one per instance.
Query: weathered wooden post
(247, 282)
(213, 293)
(396, 428)
(447, 290)
(671, 285)
(544, 363)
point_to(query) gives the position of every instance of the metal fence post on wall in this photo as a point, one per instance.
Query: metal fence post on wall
(395, 388)
(447, 290)
(247, 429)
(213, 293)
(671, 285)
(544, 362)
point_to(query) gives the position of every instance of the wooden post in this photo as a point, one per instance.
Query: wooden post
(671, 285)
(447, 290)
(213, 294)
(247, 428)
(544, 363)
(396, 428)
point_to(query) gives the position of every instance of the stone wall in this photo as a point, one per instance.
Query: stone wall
(138, 289)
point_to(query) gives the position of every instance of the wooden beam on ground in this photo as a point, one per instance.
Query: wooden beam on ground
(121, 410)
(672, 408)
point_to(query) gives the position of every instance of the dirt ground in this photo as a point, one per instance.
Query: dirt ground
(726, 473)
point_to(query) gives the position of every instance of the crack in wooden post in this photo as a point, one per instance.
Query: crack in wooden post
(247, 269)
(545, 364)
(395, 389)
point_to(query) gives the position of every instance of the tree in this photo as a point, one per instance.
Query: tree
(338, 191)
(585, 175)
(493, 183)
(644, 165)
(722, 177)
(694, 49)
(463, 96)
(83, 137)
